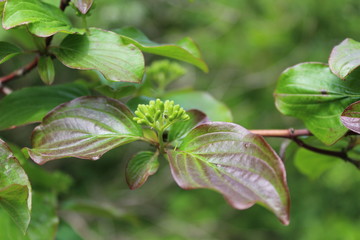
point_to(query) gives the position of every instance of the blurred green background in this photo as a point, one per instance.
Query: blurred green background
(247, 44)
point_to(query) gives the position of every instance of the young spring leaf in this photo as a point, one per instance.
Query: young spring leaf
(227, 158)
(184, 50)
(351, 117)
(214, 109)
(46, 70)
(86, 127)
(345, 58)
(43, 19)
(181, 128)
(29, 105)
(83, 5)
(311, 92)
(103, 51)
(7, 51)
(15, 189)
(140, 167)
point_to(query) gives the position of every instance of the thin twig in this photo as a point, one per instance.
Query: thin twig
(283, 133)
(343, 154)
(20, 72)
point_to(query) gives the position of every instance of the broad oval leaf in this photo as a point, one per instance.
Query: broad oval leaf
(46, 69)
(83, 5)
(43, 224)
(103, 51)
(351, 117)
(140, 167)
(180, 128)
(345, 58)
(184, 50)
(86, 127)
(311, 92)
(15, 189)
(229, 159)
(214, 109)
(7, 51)
(29, 105)
(43, 19)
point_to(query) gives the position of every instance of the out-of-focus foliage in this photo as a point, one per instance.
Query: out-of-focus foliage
(247, 44)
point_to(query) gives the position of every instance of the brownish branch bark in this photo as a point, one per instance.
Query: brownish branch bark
(283, 133)
(20, 72)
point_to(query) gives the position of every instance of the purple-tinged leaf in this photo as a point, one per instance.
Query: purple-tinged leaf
(181, 128)
(240, 165)
(351, 117)
(86, 127)
(345, 58)
(83, 5)
(15, 189)
(140, 167)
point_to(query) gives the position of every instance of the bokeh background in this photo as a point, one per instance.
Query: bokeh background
(247, 44)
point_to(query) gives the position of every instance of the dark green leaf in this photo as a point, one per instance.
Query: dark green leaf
(134, 102)
(43, 223)
(310, 91)
(140, 167)
(180, 128)
(86, 127)
(103, 51)
(184, 50)
(229, 159)
(31, 104)
(313, 164)
(15, 189)
(214, 109)
(345, 57)
(42, 19)
(351, 117)
(83, 5)
(7, 51)
(66, 232)
(46, 70)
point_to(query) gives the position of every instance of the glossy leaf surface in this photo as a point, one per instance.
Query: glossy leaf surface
(345, 58)
(351, 117)
(214, 109)
(83, 5)
(7, 51)
(184, 50)
(44, 220)
(181, 128)
(15, 189)
(227, 158)
(46, 70)
(140, 167)
(103, 51)
(86, 127)
(29, 105)
(311, 92)
(42, 19)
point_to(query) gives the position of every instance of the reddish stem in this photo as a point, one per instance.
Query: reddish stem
(20, 72)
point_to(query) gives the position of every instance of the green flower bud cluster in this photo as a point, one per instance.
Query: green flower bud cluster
(160, 115)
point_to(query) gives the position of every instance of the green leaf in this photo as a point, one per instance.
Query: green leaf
(313, 164)
(43, 19)
(43, 223)
(214, 109)
(86, 128)
(103, 51)
(345, 58)
(83, 5)
(240, 165)
(184, 50)
(351, 117)
(15, 189)
(66, 232)
(46, 70)
(29, 105)
(7, 51)
(310, 91)
(140, 167)
(181, 128)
